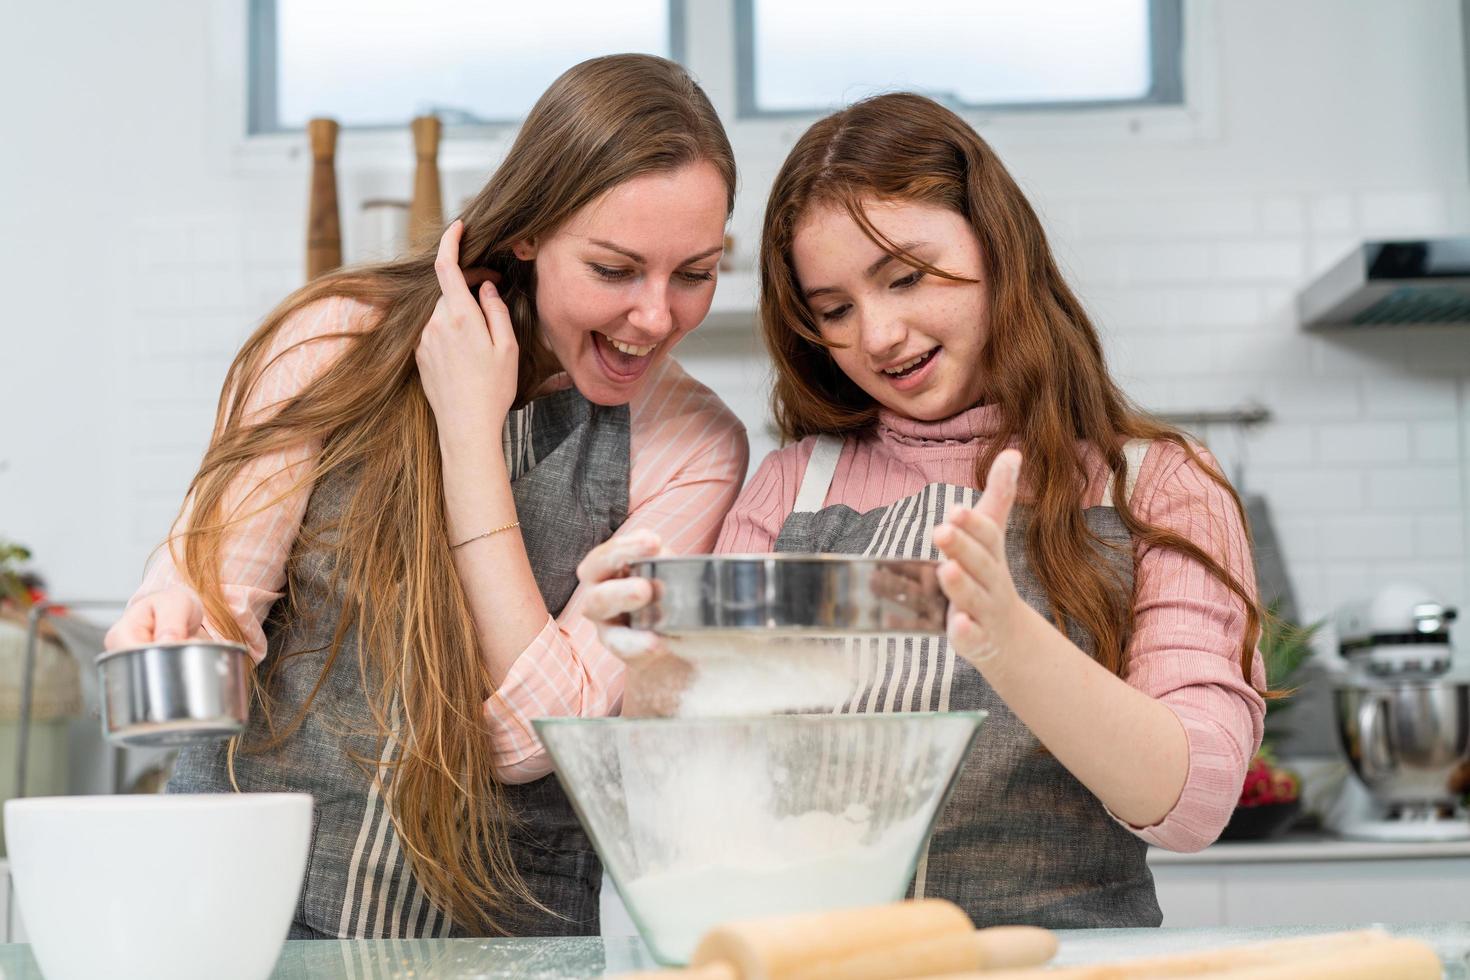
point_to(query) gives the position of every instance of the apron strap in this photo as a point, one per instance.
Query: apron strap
(1134, 450)
(819, 472)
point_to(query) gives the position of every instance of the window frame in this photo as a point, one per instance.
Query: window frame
(1166, 56)
(370, 160)
(262, 117)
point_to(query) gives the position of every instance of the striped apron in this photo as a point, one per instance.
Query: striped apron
(1020, 840)
(568, 461)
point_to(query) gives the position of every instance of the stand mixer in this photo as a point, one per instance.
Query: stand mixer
(1403, 716)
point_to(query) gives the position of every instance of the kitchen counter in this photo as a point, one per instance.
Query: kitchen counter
(551, 959)
(1312, 847)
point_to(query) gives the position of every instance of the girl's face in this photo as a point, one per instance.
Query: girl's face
(910, 340)
(622, 281)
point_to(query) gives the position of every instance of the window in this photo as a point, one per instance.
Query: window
(370, 63)
(813, 56)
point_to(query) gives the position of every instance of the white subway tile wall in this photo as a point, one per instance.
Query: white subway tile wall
(1363, 464)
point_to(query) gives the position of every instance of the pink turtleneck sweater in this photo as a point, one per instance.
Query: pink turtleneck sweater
(1185, 649)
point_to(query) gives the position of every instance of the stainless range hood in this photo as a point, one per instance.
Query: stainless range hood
(1425, 281)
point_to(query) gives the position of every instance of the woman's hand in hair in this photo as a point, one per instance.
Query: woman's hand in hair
(984, 607)
(656, 678)
(467, 355)
(167, 616)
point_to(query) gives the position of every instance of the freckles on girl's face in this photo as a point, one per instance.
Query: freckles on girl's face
(909, 339)
(625, 278)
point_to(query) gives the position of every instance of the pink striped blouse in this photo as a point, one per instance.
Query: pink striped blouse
(1185, 650)
(688, 456)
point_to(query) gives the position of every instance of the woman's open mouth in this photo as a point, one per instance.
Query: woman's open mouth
(620, 361)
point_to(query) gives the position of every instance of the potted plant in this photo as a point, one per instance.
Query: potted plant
(21, 589)
(1270, 798)
(18, 590)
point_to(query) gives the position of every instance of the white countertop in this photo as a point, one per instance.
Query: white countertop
(1312, 847)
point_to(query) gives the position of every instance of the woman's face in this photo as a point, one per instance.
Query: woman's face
(910, 340)
(622, 281)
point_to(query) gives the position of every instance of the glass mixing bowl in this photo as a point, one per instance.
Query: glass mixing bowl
(701, 821)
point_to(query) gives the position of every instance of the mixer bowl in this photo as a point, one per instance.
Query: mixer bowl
(827, 595)
(1405, 738)
(703, 820)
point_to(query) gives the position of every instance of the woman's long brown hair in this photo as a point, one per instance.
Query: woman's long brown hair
(1043, 363)
(601, 123)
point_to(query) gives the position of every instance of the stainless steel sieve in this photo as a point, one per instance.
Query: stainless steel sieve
(815, 595)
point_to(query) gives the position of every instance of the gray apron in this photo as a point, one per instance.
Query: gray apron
(1020, 840)
(568, 461)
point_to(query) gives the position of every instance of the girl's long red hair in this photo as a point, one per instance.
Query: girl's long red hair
(1043, 363)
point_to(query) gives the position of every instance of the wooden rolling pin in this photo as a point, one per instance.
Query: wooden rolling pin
(995, 948)
(426, 212)
(1395, 959)
(323, 227)
(1366, 955)
(885, 942)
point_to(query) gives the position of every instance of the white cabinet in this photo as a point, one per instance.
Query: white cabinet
(734, 304)
(12, 930)
(1313, 882)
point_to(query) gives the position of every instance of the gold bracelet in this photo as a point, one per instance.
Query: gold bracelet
(486, 534)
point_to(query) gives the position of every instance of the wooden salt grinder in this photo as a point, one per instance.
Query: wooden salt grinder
(323, 227)
(426, 214)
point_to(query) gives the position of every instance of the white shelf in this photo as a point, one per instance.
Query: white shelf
(734, 306)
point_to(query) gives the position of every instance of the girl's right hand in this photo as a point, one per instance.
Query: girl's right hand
(168, 616)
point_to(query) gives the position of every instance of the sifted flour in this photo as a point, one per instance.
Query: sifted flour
(749, 675)
(681, 904)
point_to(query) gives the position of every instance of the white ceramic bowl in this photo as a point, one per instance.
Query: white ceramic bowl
(158, 887)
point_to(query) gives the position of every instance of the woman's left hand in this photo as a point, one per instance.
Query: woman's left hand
(467, 355)
(984, 607)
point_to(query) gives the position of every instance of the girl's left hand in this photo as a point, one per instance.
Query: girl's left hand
(984, 607)
(467, 355)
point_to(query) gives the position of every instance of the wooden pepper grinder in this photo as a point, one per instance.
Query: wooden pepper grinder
(323, 227)
(426, 214)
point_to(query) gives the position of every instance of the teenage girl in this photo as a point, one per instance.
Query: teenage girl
(944, 395)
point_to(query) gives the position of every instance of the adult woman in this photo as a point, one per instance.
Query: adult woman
(401, 480)
(925, 344)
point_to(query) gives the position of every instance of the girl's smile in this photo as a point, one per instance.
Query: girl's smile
(910, 374)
